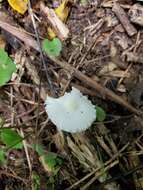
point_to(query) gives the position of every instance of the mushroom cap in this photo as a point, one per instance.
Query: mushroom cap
(72, 112)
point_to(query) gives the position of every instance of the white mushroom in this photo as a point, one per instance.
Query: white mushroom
(72, 112)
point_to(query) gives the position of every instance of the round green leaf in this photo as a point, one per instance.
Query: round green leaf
(7, 67)
(11, 138)
(53, 47)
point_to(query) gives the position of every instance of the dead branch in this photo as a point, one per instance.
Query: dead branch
(123, 18)
(104, 92)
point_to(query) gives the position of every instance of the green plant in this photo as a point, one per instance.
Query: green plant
(100, 114)
(35, 181)
(7, 67)
(11, 138)
(50, 161)
(39, 149)
(2, 157)
(52, 47)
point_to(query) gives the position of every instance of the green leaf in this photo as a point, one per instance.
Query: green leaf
(7, 67)
(51, 162)
(53, 47)
(11, 138)
(36, 181)
(39, 149)
(100, 114)
(2, 157)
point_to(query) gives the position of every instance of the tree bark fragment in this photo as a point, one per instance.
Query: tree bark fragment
(123, 18)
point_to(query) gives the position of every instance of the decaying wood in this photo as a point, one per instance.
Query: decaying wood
(123, 18)
(19, 33)
(59, 27)
(136, 14)
(104, 92)
(134, 57)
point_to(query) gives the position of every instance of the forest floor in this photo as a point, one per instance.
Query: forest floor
(102, 56)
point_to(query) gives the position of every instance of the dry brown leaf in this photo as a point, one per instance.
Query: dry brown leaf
(107, 68)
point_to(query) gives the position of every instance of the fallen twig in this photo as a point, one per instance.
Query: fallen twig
(123, 18)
